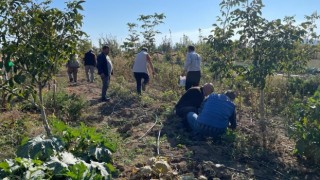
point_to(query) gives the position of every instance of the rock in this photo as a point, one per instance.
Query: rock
(120, 167)
(139, 165)
(182, 166)
(202, 178)
(151, 161)
(161, 167)
(145, 171)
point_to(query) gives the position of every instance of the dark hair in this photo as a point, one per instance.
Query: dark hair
(191, 48)
(144, 49)
(105, 47)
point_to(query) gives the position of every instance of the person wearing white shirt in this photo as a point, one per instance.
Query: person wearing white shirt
(140, 69)
(192, 68)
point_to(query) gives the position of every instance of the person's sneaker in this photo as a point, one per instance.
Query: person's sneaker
(143, 87)
(104, 99)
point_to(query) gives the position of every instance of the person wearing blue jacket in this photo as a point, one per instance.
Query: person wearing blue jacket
(105, 70)
(218, 113)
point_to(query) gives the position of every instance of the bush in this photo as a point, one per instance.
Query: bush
(302, 86)
(305, 127)
(75, 153)
(65, 106)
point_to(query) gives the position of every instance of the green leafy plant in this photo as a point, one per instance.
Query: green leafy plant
(76, 153)
(305, 126)
(69, 107)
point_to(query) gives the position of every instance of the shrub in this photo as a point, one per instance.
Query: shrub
(68, 107)
(305, 127)
(75, 153)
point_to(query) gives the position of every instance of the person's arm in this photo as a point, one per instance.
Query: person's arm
(110, 68)
(100, 65)
(94, 60)
(233, 121)
(150, 63)
(186, 64)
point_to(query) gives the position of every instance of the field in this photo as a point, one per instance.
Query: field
(145, 130)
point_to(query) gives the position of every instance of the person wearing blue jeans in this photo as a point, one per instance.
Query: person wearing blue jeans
(217, 115)
(104, 66)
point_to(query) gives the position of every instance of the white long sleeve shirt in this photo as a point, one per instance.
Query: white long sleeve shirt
(193, 62)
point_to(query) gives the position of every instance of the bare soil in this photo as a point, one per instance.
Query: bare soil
(146, 133)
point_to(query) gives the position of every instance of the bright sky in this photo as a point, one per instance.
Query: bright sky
(183, 17)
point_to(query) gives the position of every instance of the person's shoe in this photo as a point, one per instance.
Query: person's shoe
(143, 87)
(105, 99)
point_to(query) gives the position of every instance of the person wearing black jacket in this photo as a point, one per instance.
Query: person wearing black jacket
(192, 99)
(89, 65)
(104, 66)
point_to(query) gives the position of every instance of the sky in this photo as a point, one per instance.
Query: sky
(183, 17)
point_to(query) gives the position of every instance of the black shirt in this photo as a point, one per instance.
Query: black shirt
(193, 97)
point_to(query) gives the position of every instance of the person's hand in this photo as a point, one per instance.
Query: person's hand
(183, 73)
(102, 76)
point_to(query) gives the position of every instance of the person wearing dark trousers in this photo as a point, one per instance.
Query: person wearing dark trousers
(192, 68)
(140, 69)
(105, 70)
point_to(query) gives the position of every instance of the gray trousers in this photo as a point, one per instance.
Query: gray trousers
(105, 85)
(72, 74)
(89, 69)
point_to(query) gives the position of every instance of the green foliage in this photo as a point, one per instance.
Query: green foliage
(305, 126)
(169, 95)
(40, 148)
(303, 86)
(149, 22)
(81, 140)
(69, 107)
(37, 54)
(130, 45)
(112, 42)
(41, 158)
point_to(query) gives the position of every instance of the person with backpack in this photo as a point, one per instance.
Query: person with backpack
(192, 68)
(72, 68)
(105, 70)
(89, 65)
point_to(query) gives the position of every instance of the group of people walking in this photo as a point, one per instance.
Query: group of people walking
(205, 112)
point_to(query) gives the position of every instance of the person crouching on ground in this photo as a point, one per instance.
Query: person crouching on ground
(140, 69)
(191, 100)
(218, 112)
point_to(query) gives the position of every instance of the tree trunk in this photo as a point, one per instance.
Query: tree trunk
(43, 112)
(263, 124)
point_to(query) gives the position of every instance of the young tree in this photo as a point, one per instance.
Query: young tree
(130, 45)
(40, 40)
(149, 22)
(268, 45)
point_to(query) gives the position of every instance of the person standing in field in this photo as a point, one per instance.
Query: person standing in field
(105, 70)
(192, 68)
(73, 66)
(89, 65)
(140, 69)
